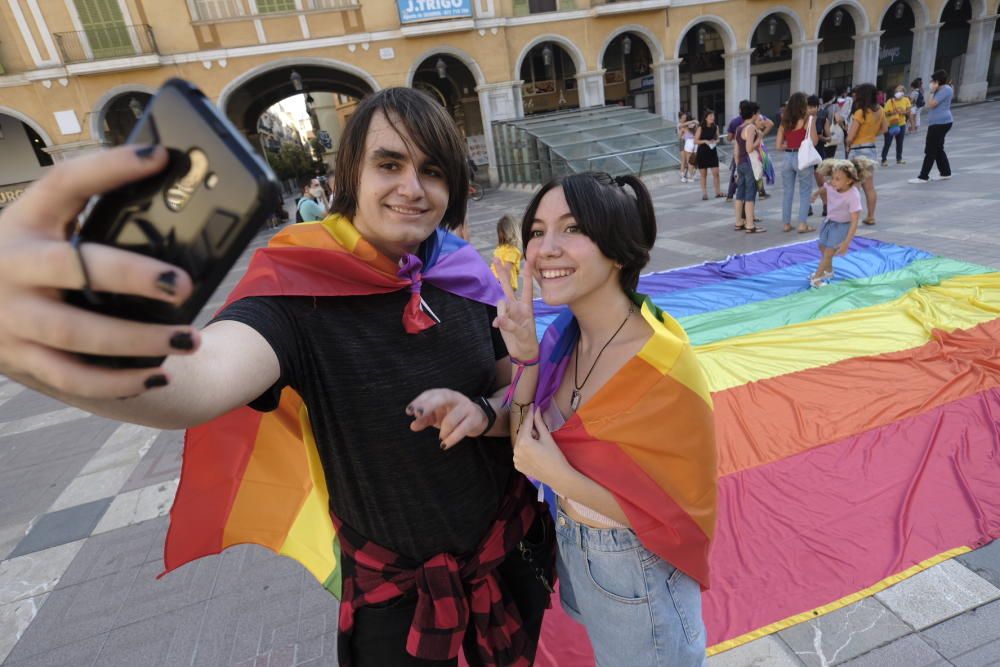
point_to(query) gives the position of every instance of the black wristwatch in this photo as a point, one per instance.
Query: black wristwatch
(491, 414)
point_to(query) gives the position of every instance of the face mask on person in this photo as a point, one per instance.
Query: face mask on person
(316, 192)
(899, 95)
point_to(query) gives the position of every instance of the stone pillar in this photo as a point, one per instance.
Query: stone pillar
(866, 47)
(590, 88)
(805, 66)
(667, 86)
(972, 87)
(925, 41)
(737, 80)
(498, 101)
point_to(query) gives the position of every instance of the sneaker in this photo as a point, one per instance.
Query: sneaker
(942, 178)
(918, 181)
(885, 163)
(900, 161)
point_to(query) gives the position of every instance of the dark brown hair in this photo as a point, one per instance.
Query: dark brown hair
(621, 224)
(795, 110)
(419, 120)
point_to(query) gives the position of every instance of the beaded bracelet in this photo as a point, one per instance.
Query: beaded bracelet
(521, 365)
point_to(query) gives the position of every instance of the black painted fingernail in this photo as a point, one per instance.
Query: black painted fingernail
(145, 152)
(182, 340)
(443, 447)
(420, 412)
(154, 381)
(167, 282)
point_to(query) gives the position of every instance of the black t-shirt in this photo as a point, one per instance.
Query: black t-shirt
(357, 369)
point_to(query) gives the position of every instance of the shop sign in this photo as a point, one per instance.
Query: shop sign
(10, 193)
(411, 11)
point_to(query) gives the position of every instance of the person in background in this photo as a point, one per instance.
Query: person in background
(707, 138)
(508, 250)
(897, 111)
(794, 129)
(311, 207)
(819, 108)
(845, 105)
(685, 131)
(939, 122)
(764, 126)
(748, 138)
(917, 103)
(867, 122)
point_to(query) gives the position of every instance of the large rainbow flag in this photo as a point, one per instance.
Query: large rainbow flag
(858, 427)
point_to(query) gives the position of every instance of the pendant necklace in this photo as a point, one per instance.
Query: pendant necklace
(574, 401)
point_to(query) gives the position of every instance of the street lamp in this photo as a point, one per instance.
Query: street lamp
(900, 8)
(838, 18)
(772, 26)
(627, 45)
(547, 55)
(442, 68)
(702, 35)
(296, 79)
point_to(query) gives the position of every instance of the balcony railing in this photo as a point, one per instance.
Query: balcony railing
(103, 42)
(226, 10)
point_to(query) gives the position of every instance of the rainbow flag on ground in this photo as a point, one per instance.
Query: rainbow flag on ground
(858, 427)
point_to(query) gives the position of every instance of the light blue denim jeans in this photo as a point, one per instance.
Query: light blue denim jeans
(791, 178)
(632, 602)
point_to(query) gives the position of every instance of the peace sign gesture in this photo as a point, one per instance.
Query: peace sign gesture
(516, 313)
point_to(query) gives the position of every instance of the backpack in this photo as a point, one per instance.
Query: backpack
(298, 209)
(920, 99)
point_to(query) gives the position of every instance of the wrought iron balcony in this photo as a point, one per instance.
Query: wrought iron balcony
(103, 42)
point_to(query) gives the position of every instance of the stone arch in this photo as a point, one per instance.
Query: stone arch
(788, 15)
(459, 54)
(862, 23)
(723, 28)
(569, 47)
(921, 13)
(101, 108)
(330, 63)
(655, 47)
(27, 120)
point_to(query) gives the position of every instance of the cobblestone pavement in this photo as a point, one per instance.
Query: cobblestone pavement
(83, 499)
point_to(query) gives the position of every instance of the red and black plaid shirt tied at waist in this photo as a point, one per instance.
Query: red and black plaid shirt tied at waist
(451, 592)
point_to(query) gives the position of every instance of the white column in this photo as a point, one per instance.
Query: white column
(737, 80)
(667, 86)
(866, 46)
(805, 66)
(590, 88)
(925, 42)
(972, 87)
(498, 101)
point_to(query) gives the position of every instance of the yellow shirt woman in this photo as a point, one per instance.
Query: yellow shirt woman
(508, 254)
(898, 111)
(869, 125)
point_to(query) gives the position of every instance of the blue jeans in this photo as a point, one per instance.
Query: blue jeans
(632, 602)
(790, 177)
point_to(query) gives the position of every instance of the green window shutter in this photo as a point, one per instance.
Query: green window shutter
(521, 8)
(567, 5)
(105, 28)
(271, 6)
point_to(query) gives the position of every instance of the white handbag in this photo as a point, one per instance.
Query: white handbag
(808, 155)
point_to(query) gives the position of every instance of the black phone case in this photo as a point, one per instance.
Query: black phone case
(207, 236)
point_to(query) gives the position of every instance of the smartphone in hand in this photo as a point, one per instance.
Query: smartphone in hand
(199, 213)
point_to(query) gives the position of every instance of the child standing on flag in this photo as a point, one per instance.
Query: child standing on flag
(611, 412)
(842, 197)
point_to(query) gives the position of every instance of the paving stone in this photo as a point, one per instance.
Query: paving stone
(36, 573)
(937, 593)
(908, 651)
(80, 653)
(768, 651)
(182, 588)
(976, 629)
(14, 619)
(162, 463)
(134, 507)
(73, 614)
(163, 640)
(18, 404)
(62, 527)
(844, 634)
(112, 552)
(984, 561)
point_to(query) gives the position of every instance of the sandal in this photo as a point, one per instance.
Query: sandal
(739, 228)
(755, 230)
(870, 221)
(787, 228)
(704, 197)
(807, 230)
(719, 195)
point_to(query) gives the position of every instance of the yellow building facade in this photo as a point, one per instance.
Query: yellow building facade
(73, 72)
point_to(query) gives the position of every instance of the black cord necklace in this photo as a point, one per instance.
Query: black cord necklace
(574, 401)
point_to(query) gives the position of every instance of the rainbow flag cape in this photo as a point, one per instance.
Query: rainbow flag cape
(646, 436)
(252, 477)
(857, 426)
